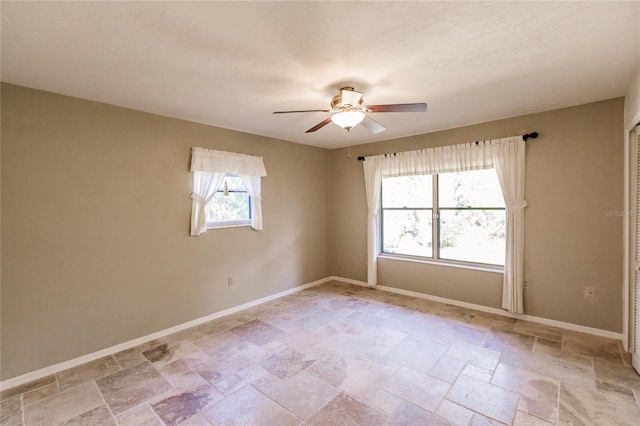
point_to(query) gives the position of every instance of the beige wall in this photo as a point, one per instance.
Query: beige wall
(95, 221)
(95, 209)
(574, 173)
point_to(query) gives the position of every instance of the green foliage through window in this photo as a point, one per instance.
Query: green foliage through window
(463, 212)
(233, 208)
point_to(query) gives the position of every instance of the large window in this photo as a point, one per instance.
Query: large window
(463, 213)
(230, 206)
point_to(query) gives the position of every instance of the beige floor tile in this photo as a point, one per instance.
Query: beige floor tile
(348, 355)
(332, 368)
(142, 415)
(303, 340)
(303, 394)
(11, 412)
(345, 410)
(40, 393)
(592, 346)
(257, 332)
(415, 353)
(410, 415)
(233, 346)
(616, 374)
(89, 371)
(132, 356)
(210, 328)
(322, 318)
(565, 367)
(498, 340)
(473, 354)
(447, 369)
(596, 407)
(524, 419)
(477, 373)
(543, 344)
(362, 378)
(480, 420)
(350, 345)
(181, 404)
(223, 372)
(424, 391)
(132, 386)
(167, 353)
(464, 333)
(492, 401)
(286, 363)
(539, 394)
(539, 330)
(377, 334)
(281, 324)
(98, 416)
(456, 313)
(455, 413)
(9, 393)
(248, 407)
(63, 406)
(180, 375)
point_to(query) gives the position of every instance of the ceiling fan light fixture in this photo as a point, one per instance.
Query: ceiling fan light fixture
(348, 119)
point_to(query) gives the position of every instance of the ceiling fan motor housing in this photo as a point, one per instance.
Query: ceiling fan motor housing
(347, 100)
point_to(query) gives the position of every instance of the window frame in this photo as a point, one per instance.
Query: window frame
(435, 258)
(233, 223)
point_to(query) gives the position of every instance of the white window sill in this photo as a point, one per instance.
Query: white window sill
(227, 225)
(445, 263)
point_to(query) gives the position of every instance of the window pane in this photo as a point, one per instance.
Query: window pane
(473, 235)
(234, 183)
(235, 206)
(407, 191)
(478, 188)
(407, 232)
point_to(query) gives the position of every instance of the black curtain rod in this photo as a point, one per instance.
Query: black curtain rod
(525, 137)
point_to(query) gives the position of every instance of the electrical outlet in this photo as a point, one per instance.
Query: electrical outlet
(589, 293)
(229, 281)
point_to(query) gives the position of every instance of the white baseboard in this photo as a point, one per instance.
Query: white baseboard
(52, 369)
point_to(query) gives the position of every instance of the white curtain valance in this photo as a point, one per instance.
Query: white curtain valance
(213, 161)
(505, 155)
(442, 159)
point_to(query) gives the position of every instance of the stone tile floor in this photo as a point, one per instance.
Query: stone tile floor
(339, 354)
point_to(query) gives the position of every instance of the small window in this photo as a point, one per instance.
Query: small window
(230, 206)
(450, 216)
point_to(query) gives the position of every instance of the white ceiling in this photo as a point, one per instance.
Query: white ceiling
(230, 64)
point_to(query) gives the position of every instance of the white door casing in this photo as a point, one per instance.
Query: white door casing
(635, 247)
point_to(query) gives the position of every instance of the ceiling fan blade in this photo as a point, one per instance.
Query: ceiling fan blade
(319, 125)
(372, 125)
(306, 110)
(397, 108)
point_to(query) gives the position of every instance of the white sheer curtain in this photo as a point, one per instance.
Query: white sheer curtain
(205, 185)
(506, 155)
(254, 188)
(509, 164)
(209, 168)
(372, 183)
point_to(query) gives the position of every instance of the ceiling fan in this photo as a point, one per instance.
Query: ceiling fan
(349, 110)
